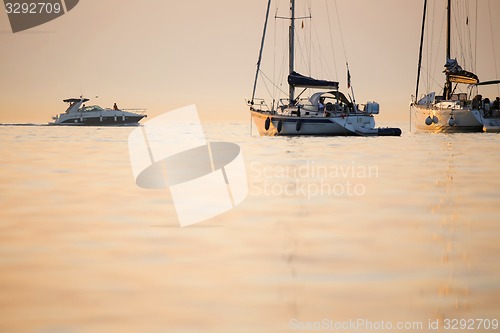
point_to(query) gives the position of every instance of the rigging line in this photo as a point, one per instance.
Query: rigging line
(429, 75)
(310, 38)
(331, 39)
(265, 84)
(274, 49)
(432, 44)
(304, 50)
(267, 78)
(433, 69)
(301, 40)
(460, 36)
(340, 31)
(471, 58)
(319, 61)
(278, 72)
(429, 26)
(278, 29)
(281, 74)
(322, 55)
(461, 41)
(302, 58)
(261, 49)
(466, 42)
(493, 45)
(475, 41)
(420, 51)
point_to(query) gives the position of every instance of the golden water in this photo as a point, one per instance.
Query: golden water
(83, 249)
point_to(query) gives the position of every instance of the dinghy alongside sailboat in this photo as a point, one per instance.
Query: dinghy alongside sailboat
(324, 112)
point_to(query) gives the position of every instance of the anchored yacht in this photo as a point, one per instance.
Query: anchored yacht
(79, 114)
(460, 107)
(319, 108)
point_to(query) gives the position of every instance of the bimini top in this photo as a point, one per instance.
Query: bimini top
(456, 74)
(297, 80)
(314, 99)
(75, 100)
(463, 77)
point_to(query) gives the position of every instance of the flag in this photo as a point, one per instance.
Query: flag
(348, 79)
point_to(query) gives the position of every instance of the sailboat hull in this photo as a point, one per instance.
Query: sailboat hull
(446, 120)
(274, 125)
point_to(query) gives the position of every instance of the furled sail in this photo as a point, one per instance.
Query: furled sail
(456, 74)
(297, 80)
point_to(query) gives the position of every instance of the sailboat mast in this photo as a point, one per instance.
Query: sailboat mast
(260, 52)
(447, 85)
(448, 32)
(421, 48)
(291, 47)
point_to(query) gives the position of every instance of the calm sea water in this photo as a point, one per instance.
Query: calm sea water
(334, 231)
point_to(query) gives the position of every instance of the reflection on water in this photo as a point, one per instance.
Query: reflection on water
(82, 249)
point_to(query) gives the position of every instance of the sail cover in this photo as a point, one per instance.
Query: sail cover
(456, 74)
(297, 80)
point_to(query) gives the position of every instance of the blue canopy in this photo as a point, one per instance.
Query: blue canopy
(297, 80)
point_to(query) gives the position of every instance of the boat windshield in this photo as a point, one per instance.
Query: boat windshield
(92, 108)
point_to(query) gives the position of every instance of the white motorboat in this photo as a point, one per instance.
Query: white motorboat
(455, 110)
(79, 114)
(325, 111)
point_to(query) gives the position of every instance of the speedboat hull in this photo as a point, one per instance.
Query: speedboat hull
(107, 118)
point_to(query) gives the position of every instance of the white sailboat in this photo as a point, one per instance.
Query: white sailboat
(325, 111)
(460, 107)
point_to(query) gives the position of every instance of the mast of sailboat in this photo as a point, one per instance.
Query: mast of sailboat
(447, 85)
(291, 51)
(448, 31)
(260, 52)
(421, 48)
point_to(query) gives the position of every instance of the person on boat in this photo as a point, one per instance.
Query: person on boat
(350, 107)
(321, 106)
(115, 107)
(487, 107)
(476, 102)
(496, 104)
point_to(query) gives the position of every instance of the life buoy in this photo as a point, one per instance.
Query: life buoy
(298, 125)
(267, 124)
(280, 126)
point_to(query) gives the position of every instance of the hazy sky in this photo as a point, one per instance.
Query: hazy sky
(161, 54)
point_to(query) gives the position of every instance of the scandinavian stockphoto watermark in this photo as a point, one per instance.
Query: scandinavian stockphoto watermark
(205, 178)
(27, 14)
(310, 179)
(368, 325)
